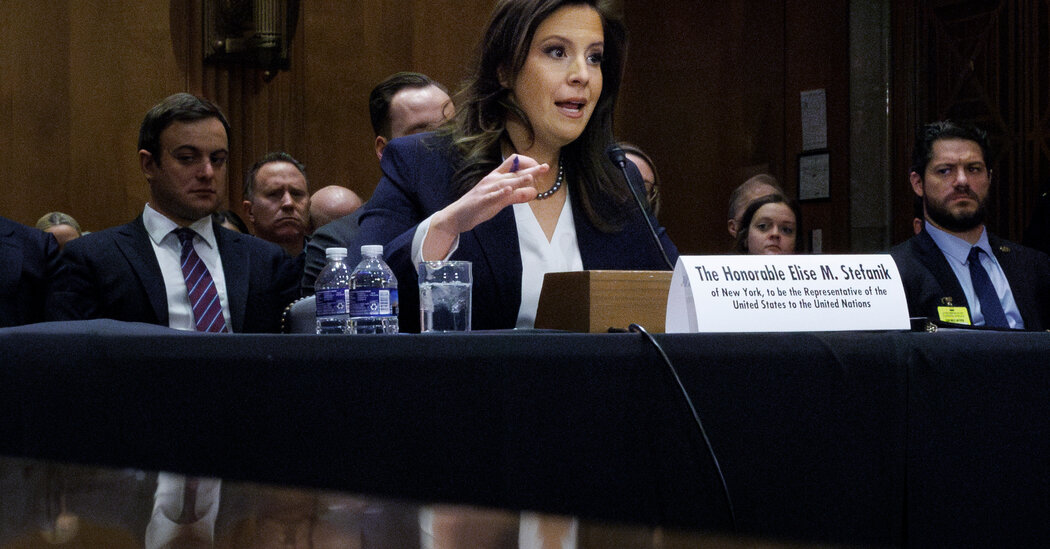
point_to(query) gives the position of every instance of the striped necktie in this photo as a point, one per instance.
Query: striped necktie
(991, 308)
(204, 299)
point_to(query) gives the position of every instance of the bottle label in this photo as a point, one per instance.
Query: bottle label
(373, 302)
(333, 302)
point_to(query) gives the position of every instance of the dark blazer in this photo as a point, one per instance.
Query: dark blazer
(929, 281)
(26, 259)
(417, 172)
(340, 233)
(114, 274)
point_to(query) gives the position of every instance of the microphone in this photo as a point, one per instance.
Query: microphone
(619, 158)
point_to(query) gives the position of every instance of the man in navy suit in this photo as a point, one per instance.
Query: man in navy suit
(944, 267)
(26, 257)
(176, 267)
(404, 103)
(133, 272)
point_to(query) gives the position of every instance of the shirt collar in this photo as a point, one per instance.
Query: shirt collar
(955, 248)
(159, 227)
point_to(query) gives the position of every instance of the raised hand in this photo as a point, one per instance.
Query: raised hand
(510, 183)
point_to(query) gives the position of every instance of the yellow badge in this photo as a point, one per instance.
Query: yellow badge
(954, 315)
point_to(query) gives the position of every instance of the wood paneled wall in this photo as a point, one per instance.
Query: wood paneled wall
(76, 80)
(987, 63)
(704, 97)
(711, 93)
(34, 108)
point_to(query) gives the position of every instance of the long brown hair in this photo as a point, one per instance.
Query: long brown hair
(484, 105)
(745, 222)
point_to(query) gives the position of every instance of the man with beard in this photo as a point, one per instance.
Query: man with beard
(954, 271)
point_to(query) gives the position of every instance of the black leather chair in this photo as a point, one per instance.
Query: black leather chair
(300, 316)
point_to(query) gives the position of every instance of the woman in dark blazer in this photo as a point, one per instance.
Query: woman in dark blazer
(518, 182)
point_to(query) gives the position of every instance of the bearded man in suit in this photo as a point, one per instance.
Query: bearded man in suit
(954, 271)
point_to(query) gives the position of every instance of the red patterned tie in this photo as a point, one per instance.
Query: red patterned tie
(207, 309)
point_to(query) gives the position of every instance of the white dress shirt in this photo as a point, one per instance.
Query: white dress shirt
(538, 255)
(170, 496)
(168, 520)
(168, 250)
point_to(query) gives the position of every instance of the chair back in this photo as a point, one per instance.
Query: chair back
(300, 316)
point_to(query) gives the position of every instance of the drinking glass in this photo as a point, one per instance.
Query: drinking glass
(444, 296)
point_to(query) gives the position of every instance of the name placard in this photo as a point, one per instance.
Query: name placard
(786, 293)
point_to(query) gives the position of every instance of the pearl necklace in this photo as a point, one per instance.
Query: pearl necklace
(557, 183)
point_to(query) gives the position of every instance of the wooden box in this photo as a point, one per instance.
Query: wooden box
(594, 301)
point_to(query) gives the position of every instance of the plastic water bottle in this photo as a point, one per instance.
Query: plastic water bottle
(332, 291)
(373, 295)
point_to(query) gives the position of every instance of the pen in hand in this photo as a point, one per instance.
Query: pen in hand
(514, 165)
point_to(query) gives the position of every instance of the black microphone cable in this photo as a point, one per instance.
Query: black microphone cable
(696, 417)
(619, 158)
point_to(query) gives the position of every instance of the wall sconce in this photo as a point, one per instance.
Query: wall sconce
(250, 33)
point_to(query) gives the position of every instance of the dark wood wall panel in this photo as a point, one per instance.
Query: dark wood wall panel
(78, 79)
(349, 48)
(703, 96)
(906, 95)
(986, 63)
(817, 56)
(711, 92)
(34, 108)
(115, 62)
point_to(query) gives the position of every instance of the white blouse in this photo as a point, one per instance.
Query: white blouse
(538, 256)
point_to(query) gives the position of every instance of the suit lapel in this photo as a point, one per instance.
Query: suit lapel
(497, 239)
(235, 269)
(933, 258)
(1014, 269)
(630, 248)
(588, 238)
(10, 257)
(627, 249)
(134, 243)
(597, 250)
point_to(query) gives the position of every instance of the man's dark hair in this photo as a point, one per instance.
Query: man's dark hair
(181, 107)
(945, 129)
(280, 156)
(384, 92)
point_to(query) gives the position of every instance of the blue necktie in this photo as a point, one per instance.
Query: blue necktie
(991, 308)
(204, 299)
